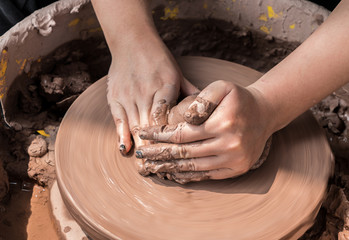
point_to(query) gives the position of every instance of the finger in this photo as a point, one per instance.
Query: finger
(184, 165)
(144, 106)
(122, 127)
(178, 133)
(176, 113)
(164, 99)
(185, 177)
(205, 103)
(133, 119)
(187, 88)
(165, 151)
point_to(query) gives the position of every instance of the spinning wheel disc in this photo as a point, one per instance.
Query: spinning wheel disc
(110, 200)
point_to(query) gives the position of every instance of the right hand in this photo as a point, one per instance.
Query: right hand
(144, 82)
(223, 134)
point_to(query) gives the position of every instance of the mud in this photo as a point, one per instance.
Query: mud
(26, 214)
(38, 147)
(159, 117)
(38, 99)
(199, 111)
(36, 104)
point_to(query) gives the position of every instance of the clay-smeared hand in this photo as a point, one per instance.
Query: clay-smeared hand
(224, 135)
(143, 83)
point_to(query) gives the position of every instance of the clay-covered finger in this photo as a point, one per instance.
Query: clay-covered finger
(165, 151)
(182, 165)
(178, 133)
(206, 102)
(122, 126)
(163, 100)
(134, 123)
(185, 177)
(176, 113)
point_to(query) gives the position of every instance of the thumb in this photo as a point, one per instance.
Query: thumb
(206, 102)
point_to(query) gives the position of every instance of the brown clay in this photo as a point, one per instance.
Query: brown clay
(199, 111)
(38, 147)
(123, 204)
(176, 114)
(159, 117)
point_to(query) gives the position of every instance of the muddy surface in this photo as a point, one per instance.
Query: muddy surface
(36, 104)
(42, 94)
(27, 214)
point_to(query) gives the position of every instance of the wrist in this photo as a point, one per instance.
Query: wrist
(267, 111)
(134, 40)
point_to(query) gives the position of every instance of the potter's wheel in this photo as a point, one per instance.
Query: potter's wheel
(110, 200)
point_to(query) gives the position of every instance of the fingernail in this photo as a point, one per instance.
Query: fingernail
(139, 154)
(122, 148)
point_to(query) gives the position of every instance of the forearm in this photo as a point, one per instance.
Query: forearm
(314, 70)
(124, 21)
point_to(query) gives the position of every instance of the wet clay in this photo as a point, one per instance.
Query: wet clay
(28, 214)
(199, 111)
(123, 204)
(159, 117)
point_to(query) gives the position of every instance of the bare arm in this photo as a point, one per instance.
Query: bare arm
(125, 21)
(313, 71)
(232, 139)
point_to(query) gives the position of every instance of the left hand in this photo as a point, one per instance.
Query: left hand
(225, 145)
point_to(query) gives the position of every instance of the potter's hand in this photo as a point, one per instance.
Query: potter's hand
(143, 83)
(226, 145)
(144, 79)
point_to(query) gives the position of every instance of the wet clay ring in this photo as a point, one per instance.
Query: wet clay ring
(110, 200)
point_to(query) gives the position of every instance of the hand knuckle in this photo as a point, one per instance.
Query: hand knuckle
(182, 151)
(191, 166)
(178, 133)
(221, 83)
(226, 125)
(118, 121)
